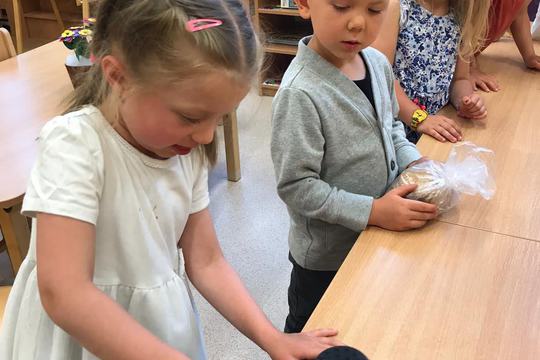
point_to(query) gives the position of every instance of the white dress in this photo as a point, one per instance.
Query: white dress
(139, 205)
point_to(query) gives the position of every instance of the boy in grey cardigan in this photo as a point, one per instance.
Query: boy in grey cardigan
(336, 146)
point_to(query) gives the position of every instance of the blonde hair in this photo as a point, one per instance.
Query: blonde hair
(472, 16)
(151, 39)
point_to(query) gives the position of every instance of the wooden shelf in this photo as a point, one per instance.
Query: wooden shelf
(32, 43)
(280, 49)
(280, 24)
(48, 15)
(278, 11)
(269, 90)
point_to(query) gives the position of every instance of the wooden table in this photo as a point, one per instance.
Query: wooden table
(442, 292)
(32, 87)
(466, 286)
(512, 131)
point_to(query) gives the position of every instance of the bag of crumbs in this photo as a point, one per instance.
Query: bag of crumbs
(468, 170)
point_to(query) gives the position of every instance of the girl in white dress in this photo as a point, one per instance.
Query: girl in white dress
(120, 184)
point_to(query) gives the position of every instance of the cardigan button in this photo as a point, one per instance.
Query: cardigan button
(392, 165)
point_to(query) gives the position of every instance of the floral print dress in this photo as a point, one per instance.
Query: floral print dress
(426, 56)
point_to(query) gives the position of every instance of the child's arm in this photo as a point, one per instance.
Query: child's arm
(467, 103)
(437, 126)
(65, 267)
(298, 148)
(521, 31)
(212, 275)
(393, 211)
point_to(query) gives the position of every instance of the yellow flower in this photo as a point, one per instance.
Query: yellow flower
(85, 32)
(67, 33)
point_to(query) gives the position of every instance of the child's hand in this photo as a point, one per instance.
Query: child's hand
(306, 345)
(394, 212)
(441, 128)
(472, 107)
(484, 82)
(533, 62)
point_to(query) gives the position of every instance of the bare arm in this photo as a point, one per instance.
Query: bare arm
(462, 96)
(65, 267)
(220, 285)
(386, 42)
(440, 127)
(461, 86)
(218, 282)
(521, 31)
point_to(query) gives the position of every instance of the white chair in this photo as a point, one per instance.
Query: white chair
(7, 50)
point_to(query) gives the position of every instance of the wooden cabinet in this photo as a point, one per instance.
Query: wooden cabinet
(44, 20)
(281, 29)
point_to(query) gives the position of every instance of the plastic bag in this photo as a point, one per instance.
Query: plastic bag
(468, 170)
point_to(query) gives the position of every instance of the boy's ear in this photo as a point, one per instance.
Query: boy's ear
(303, 8)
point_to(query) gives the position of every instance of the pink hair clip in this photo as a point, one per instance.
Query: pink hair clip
(202, 24)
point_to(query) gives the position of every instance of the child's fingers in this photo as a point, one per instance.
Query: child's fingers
(470, 102)
(482, 85)
(404, 190)
(534, 63)
(422, 216)
(433, 133)
(493, 85)
(474, 102)
(415, 224)
(474, 108)
(322, 332)
(332, 341)
(412, 224)
(479, 114)
(447, 134)
(478, 108)
(451, 126)
(420, 206)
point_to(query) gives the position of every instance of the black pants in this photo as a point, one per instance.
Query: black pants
(305, 290)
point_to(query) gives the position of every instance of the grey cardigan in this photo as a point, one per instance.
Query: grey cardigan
(333, 154)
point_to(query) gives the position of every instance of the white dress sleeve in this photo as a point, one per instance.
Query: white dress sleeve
(67, 177)
(200, 198)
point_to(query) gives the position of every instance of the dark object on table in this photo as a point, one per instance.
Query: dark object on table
(76, 74)
(76, 68)
(341, 353)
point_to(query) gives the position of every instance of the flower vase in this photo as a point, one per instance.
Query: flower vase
(76, 67)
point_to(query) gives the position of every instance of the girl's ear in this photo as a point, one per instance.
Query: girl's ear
(114, 73)
(303, 8)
